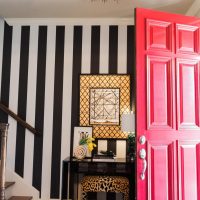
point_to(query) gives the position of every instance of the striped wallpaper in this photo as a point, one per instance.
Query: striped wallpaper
(39, 70)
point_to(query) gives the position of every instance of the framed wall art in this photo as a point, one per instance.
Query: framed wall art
(78, 131)
(103, 99)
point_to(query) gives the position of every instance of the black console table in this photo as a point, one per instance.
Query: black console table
(72, 167)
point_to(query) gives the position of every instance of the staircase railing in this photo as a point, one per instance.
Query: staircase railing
(18, 119)
(3, 137)
(4, 134)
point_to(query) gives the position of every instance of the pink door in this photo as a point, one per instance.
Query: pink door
(168, 106)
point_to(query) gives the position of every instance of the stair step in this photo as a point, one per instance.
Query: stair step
(20, 198)
(8, 184)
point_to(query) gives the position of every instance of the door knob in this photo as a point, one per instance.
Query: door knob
(142, 139)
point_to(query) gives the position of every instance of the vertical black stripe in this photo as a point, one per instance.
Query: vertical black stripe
(127, 146)
(77, 55)
(57, 112)
(6, 65)
(92, 195)
(111, 196)
(95, 149)
(131, 61)
(39, 111)
(95, 49)
(22, 100)
(113, 49)
(111, 145)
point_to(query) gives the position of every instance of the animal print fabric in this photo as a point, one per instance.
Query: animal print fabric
(104, 184)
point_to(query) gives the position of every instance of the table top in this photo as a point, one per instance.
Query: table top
(99, 160)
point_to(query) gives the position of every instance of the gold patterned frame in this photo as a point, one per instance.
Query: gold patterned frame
(104, 81)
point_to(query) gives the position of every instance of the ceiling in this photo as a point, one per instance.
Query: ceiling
(86, 8)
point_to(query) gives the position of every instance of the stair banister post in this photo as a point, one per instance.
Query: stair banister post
(4, 134)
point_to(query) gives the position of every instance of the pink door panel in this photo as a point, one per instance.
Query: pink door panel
(161, 160)
(187, 39)
(159, 92)
(159, 35)
(189, 169)
(187, 76)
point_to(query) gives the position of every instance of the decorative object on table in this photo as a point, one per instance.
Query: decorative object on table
(80, 152)
(86, 144)
(131, 146)
(128, 125)
(107, 153)
(79, 131)
(87, 141)
(117, 87)
(104, 156)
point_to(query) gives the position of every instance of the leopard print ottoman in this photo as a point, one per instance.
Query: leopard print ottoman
(105, 184)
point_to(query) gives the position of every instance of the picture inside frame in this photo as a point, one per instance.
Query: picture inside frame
(104, 106)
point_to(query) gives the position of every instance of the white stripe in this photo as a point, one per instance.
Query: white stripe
(1, 46)
(122, 68)
(119, 196)
(121, 149)
(102, 145)
(31, 98)
(86, 50)
(67, 96)
(48, 113)
(122, 49)
(101, 195)
(13, 96)
(104, 49)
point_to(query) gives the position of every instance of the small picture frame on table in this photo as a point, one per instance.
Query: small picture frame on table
(78, 131)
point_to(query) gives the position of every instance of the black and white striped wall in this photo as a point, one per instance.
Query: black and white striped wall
(39, 69)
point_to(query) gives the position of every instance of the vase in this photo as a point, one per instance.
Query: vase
(80, 152)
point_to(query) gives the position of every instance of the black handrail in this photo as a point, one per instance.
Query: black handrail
(18, 119)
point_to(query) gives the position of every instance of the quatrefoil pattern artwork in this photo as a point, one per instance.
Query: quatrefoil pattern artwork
(103, 98)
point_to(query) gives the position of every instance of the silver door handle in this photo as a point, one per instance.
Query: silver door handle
(142, 154)
(142, 175)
